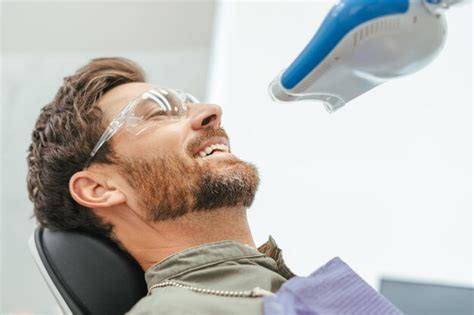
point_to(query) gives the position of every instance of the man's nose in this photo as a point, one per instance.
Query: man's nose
(205, 116)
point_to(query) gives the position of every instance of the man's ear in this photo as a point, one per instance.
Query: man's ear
(91, 190)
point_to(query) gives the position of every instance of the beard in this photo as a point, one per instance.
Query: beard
(173, 186)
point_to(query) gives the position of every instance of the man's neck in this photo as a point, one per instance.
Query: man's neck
(150, 243)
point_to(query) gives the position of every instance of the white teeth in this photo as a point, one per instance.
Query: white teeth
(207, 151)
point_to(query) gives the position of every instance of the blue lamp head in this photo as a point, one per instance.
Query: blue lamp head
(360, 45)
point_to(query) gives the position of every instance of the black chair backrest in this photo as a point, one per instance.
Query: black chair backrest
(92, 274)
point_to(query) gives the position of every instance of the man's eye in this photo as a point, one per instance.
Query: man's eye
(156, 115)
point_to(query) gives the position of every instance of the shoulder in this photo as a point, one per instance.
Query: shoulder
(180, 301)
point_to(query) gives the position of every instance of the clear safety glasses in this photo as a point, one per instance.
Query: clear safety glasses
(152, 107)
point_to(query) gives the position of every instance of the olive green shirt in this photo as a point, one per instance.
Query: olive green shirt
(212, 278)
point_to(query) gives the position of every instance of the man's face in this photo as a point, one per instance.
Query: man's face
(164, 169)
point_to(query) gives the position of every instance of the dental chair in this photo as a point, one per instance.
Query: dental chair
(86, 274)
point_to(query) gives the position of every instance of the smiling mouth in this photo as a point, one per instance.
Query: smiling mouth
(212, 149)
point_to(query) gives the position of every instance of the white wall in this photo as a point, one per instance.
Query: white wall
(1, 167)
(385, 183)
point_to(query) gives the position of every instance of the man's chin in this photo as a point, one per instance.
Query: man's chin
(233, 184)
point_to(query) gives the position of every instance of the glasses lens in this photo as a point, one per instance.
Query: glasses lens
(155, 106)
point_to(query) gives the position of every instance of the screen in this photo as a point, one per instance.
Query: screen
(414, 298)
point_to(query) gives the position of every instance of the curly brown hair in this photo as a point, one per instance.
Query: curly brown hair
(63, 137)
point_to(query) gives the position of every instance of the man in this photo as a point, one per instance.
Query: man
(151, 168)
(173, 195)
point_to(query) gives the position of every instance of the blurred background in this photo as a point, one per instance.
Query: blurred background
(385, 183)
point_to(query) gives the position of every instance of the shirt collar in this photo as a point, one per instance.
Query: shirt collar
(271, 249)
(214, 253)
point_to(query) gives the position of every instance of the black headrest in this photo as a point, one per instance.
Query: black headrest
(92, 274)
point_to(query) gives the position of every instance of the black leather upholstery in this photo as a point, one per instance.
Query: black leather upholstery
(93, 275)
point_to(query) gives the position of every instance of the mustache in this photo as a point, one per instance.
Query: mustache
(205, 135)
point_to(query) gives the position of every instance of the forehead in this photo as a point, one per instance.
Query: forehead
(112, 102)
